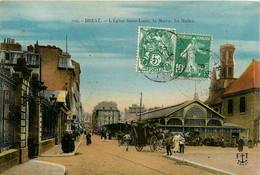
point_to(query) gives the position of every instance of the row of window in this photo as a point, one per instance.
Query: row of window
(49, 122)
(31, 59)
(65, 63)
(6, 117)
(242, 105)
(194, 122)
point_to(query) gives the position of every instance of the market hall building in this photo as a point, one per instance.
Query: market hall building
(193, 116)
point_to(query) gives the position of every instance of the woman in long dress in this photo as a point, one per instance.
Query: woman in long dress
(176, 140)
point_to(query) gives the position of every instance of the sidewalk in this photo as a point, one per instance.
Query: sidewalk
(37, 167)
(57, 151)
(42, 167)
(219, 160)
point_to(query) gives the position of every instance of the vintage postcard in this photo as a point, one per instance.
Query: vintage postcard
(129, 87)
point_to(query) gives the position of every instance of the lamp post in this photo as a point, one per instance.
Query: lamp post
(140, 107)
(42, 90)
(53, 99)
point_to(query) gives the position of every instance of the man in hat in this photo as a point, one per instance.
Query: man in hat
(182, 142)
(168, 145)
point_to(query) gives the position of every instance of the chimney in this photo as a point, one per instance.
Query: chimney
(30, 48)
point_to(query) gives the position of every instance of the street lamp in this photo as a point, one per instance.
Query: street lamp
(42, 89)
(53, 99)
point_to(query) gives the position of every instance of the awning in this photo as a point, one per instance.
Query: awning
(231, 125)
(60, 95)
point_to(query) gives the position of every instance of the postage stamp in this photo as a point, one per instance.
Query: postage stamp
(155, 50)
(192, 56)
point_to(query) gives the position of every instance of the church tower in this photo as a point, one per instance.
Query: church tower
(227, 61)
(226, 75)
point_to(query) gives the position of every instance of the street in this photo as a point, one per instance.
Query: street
(108, 158)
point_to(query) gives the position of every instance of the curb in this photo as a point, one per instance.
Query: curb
(198, 165)
(66, 154)
(37, 167)
(54, 164)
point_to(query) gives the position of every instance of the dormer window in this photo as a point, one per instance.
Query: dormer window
(65, 63)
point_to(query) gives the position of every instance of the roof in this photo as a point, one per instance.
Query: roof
(166, 111)
(157, 112)
(215, 101)
(248, 80)
(106, 106)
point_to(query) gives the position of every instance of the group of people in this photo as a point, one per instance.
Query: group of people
(105, 135)
(178, 142)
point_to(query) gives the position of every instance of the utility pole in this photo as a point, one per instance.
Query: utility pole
(140, 107)
(66, 44)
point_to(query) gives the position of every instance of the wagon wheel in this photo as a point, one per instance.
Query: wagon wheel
(153, 143)
(138, 148)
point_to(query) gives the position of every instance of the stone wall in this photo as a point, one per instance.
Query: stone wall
(46, 145)
(9, 159)
(245, 119)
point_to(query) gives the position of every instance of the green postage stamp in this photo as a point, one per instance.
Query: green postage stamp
(155, 50)
(192, 56)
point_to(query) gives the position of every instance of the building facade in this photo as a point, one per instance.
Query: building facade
(133, 110)
(240, 102)
(192, 117)
(60, 73)
(105, 113)
(237, 99)
(33, 118)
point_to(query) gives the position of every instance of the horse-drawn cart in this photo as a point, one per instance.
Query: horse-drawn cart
(145, 133)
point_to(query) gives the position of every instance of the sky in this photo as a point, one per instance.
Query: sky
(107, 51)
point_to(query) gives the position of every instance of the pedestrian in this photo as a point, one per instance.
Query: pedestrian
(71, 142)
(88, 138)
(102, 135)
(212, 141)
(182, 143)
(119, 137)
(65, 142)
(176, 140)
(240, 145)
(127, 138)
(107, 136)
(168, 145)
(223, 142)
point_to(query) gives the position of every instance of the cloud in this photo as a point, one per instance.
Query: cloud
(67, 11)
(93, 54)
(51, 26)
(102, 61)
(241, 45)
(17, 33)
(118, 39)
